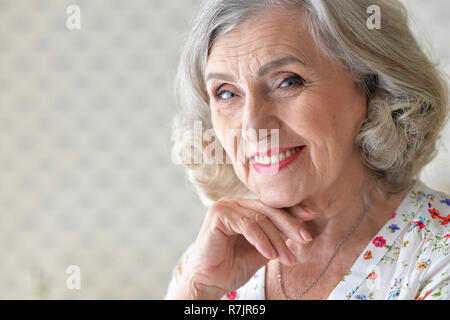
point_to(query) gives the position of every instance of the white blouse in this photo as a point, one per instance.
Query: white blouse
(408, 258)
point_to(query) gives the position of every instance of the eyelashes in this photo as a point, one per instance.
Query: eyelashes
(219, 94)
(287, 84)
(294, 80)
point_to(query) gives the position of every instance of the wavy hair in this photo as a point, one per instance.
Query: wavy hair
(407, 95)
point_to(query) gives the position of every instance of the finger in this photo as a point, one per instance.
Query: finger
(301, 213)
(240, 223)
(272, 232)
(277, 239)
(290, 226)
(258, 238)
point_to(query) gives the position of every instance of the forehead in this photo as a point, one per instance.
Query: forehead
(271, 34)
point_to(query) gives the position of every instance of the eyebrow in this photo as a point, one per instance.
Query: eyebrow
(261, 72)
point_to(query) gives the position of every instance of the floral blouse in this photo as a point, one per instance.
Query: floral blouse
(408, 258)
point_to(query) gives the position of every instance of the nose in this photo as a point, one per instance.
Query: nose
(258, 120)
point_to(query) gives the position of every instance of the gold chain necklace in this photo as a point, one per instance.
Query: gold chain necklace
(357, 223)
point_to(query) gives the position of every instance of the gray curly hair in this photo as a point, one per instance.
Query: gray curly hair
(407, 95)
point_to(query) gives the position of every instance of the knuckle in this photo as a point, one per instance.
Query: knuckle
(251, 229)
(214, 213)
(258, 238)
(259, 217)
(246, 224)
(218, 207)
(292, 227)
(264, 208)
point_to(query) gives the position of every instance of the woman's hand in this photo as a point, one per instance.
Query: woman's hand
(238, 236)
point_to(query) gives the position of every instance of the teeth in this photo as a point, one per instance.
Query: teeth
(275, 158)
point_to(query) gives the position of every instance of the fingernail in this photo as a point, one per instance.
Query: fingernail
(298, 209)
(312, 214)
(305, 235)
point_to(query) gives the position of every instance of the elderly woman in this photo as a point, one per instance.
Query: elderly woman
(334, 210)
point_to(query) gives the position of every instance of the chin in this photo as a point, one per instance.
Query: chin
(277, 200)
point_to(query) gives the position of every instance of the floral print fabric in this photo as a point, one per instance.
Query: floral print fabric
(407, 259)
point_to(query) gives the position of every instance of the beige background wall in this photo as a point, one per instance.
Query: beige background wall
(85, 171)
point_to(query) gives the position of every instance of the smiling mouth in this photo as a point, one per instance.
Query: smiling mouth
(272, 162)
(271, 158)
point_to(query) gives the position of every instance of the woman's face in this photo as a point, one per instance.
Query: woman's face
(268, 74)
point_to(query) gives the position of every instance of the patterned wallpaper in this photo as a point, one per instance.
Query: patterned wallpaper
(85, 172)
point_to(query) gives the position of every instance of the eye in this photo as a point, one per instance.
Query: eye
(292, 81)
(225, 95)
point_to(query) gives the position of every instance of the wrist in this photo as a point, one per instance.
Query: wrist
(189, 289)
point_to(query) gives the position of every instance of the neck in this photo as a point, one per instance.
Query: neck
(340, 206)
(341, 202)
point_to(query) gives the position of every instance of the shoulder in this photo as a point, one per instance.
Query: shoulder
(423, 250)
(432, 211)
(426, 238)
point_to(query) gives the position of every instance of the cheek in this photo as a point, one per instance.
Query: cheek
(325, 117)
(320, 123)
(228, 138)
(219, 126)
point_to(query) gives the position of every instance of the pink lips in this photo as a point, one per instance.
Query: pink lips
(272, 169)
